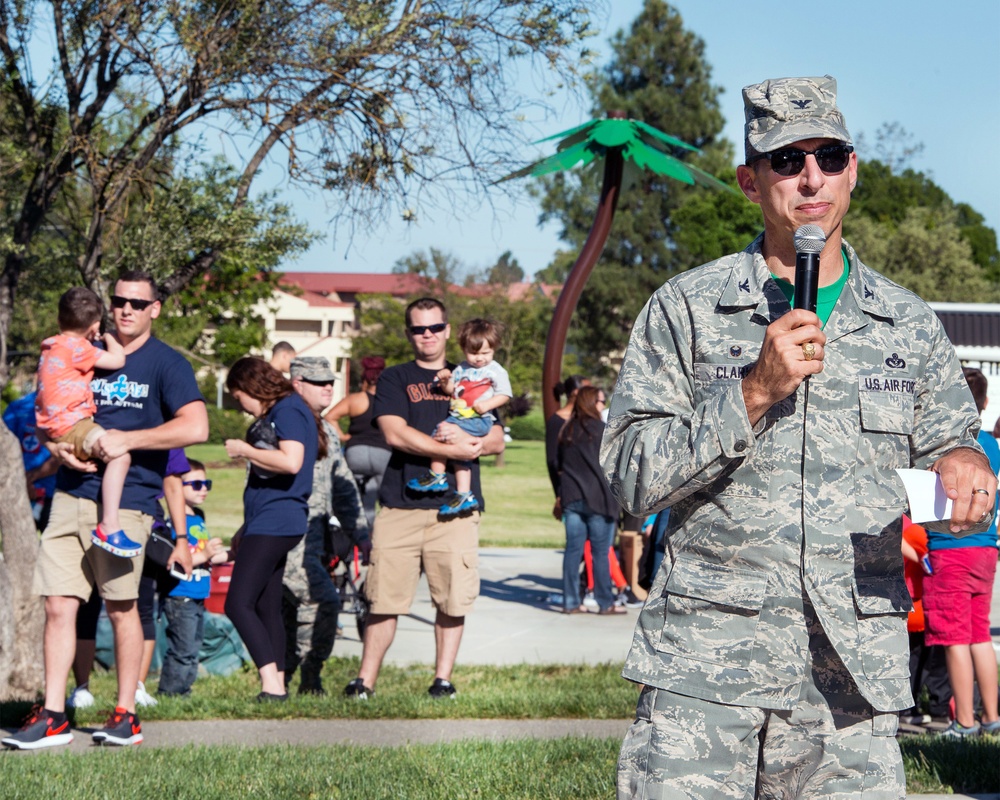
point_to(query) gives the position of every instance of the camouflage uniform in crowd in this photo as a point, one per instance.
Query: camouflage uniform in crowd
(789, 533)
(773, 646)
(311, 602)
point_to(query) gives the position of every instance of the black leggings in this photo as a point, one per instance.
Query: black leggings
(253, 602)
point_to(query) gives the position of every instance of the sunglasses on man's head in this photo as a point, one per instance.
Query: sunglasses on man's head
(117, 301)
(420, 330)
(832, 159)
(199, 485)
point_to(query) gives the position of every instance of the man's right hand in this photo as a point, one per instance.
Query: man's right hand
(462, 446)
(782, 365)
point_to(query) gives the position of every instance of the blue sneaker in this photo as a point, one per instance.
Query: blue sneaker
(990, 728)
(431, 482)
(458, 503)
(956, 731)
(116, 543)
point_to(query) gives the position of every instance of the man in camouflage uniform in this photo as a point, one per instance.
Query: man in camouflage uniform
(773, 647)
(311, 602)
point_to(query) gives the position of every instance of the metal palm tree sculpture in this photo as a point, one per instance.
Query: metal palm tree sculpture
(623, 143)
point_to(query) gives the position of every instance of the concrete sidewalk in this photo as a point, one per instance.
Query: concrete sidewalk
(516, 619)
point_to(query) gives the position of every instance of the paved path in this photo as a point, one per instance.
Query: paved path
(516, 619)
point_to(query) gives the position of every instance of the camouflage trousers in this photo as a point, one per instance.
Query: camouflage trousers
(832, 745)
(310, 605)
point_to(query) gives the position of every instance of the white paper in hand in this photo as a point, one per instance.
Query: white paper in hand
(929, 505)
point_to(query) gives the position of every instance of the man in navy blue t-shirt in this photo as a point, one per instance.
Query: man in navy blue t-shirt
(148, 406)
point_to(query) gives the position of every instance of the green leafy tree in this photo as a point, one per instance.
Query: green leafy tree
(889, 187)
(926, 252)
(658, 75)
(506, 271)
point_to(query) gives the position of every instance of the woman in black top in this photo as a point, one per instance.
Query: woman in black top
(365, 448)
(553, 425)
(589, 509)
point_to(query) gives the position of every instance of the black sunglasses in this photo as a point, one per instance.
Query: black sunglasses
(832, 159)
(420, 330)
(318, 383)
(199, 485)
(117, 301)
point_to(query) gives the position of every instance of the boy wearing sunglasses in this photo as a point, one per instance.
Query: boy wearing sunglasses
(774, 639)
(65, 409)
(184, 606)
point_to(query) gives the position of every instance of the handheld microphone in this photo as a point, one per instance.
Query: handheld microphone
(809, 243)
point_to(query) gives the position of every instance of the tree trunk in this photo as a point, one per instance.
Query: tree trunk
(555, 344)
(22, 613)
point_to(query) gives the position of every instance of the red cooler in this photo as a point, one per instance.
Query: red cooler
(222, 574)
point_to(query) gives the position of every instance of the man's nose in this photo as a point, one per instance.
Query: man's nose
(811, 175)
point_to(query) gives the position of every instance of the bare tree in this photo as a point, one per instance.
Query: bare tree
(373, 102)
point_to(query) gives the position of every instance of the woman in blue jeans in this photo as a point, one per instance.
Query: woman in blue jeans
(589, 509)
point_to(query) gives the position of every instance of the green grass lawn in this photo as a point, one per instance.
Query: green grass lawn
(542, 769)
(518, 496)
(567, 768)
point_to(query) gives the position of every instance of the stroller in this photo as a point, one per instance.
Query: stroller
(345, 569)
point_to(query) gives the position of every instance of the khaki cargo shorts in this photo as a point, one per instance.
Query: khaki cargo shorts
(70, 566)
(83, 436)
(406, 540)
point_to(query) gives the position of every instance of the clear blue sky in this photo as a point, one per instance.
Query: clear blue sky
(932, 67)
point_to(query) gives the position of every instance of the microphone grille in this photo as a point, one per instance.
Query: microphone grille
(810, 239)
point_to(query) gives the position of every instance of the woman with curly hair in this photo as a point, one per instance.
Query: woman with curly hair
(281, 448)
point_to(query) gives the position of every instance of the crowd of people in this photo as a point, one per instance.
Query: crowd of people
(773, 640)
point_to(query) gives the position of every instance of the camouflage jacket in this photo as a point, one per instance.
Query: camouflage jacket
(334, 490)
(805, 504)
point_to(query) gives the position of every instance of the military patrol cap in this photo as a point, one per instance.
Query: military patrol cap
(311, 368)
(782, 111)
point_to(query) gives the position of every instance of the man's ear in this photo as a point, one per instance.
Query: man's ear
(747, 179)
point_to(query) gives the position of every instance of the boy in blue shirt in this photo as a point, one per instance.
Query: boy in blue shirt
(184, 607)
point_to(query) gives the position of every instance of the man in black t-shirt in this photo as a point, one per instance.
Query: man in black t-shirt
(409, 534)
(148, 406)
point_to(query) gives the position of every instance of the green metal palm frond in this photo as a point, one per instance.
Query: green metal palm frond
(642, 146)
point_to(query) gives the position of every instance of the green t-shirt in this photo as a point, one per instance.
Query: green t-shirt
(826, 296)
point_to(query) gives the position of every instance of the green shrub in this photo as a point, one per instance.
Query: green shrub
(529, 427)
(224, 424)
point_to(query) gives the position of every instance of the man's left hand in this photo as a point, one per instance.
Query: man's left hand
(963, 471)
(181, 557)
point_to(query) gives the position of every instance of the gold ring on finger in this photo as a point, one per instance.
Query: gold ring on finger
(809, 351)
(981, 491)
